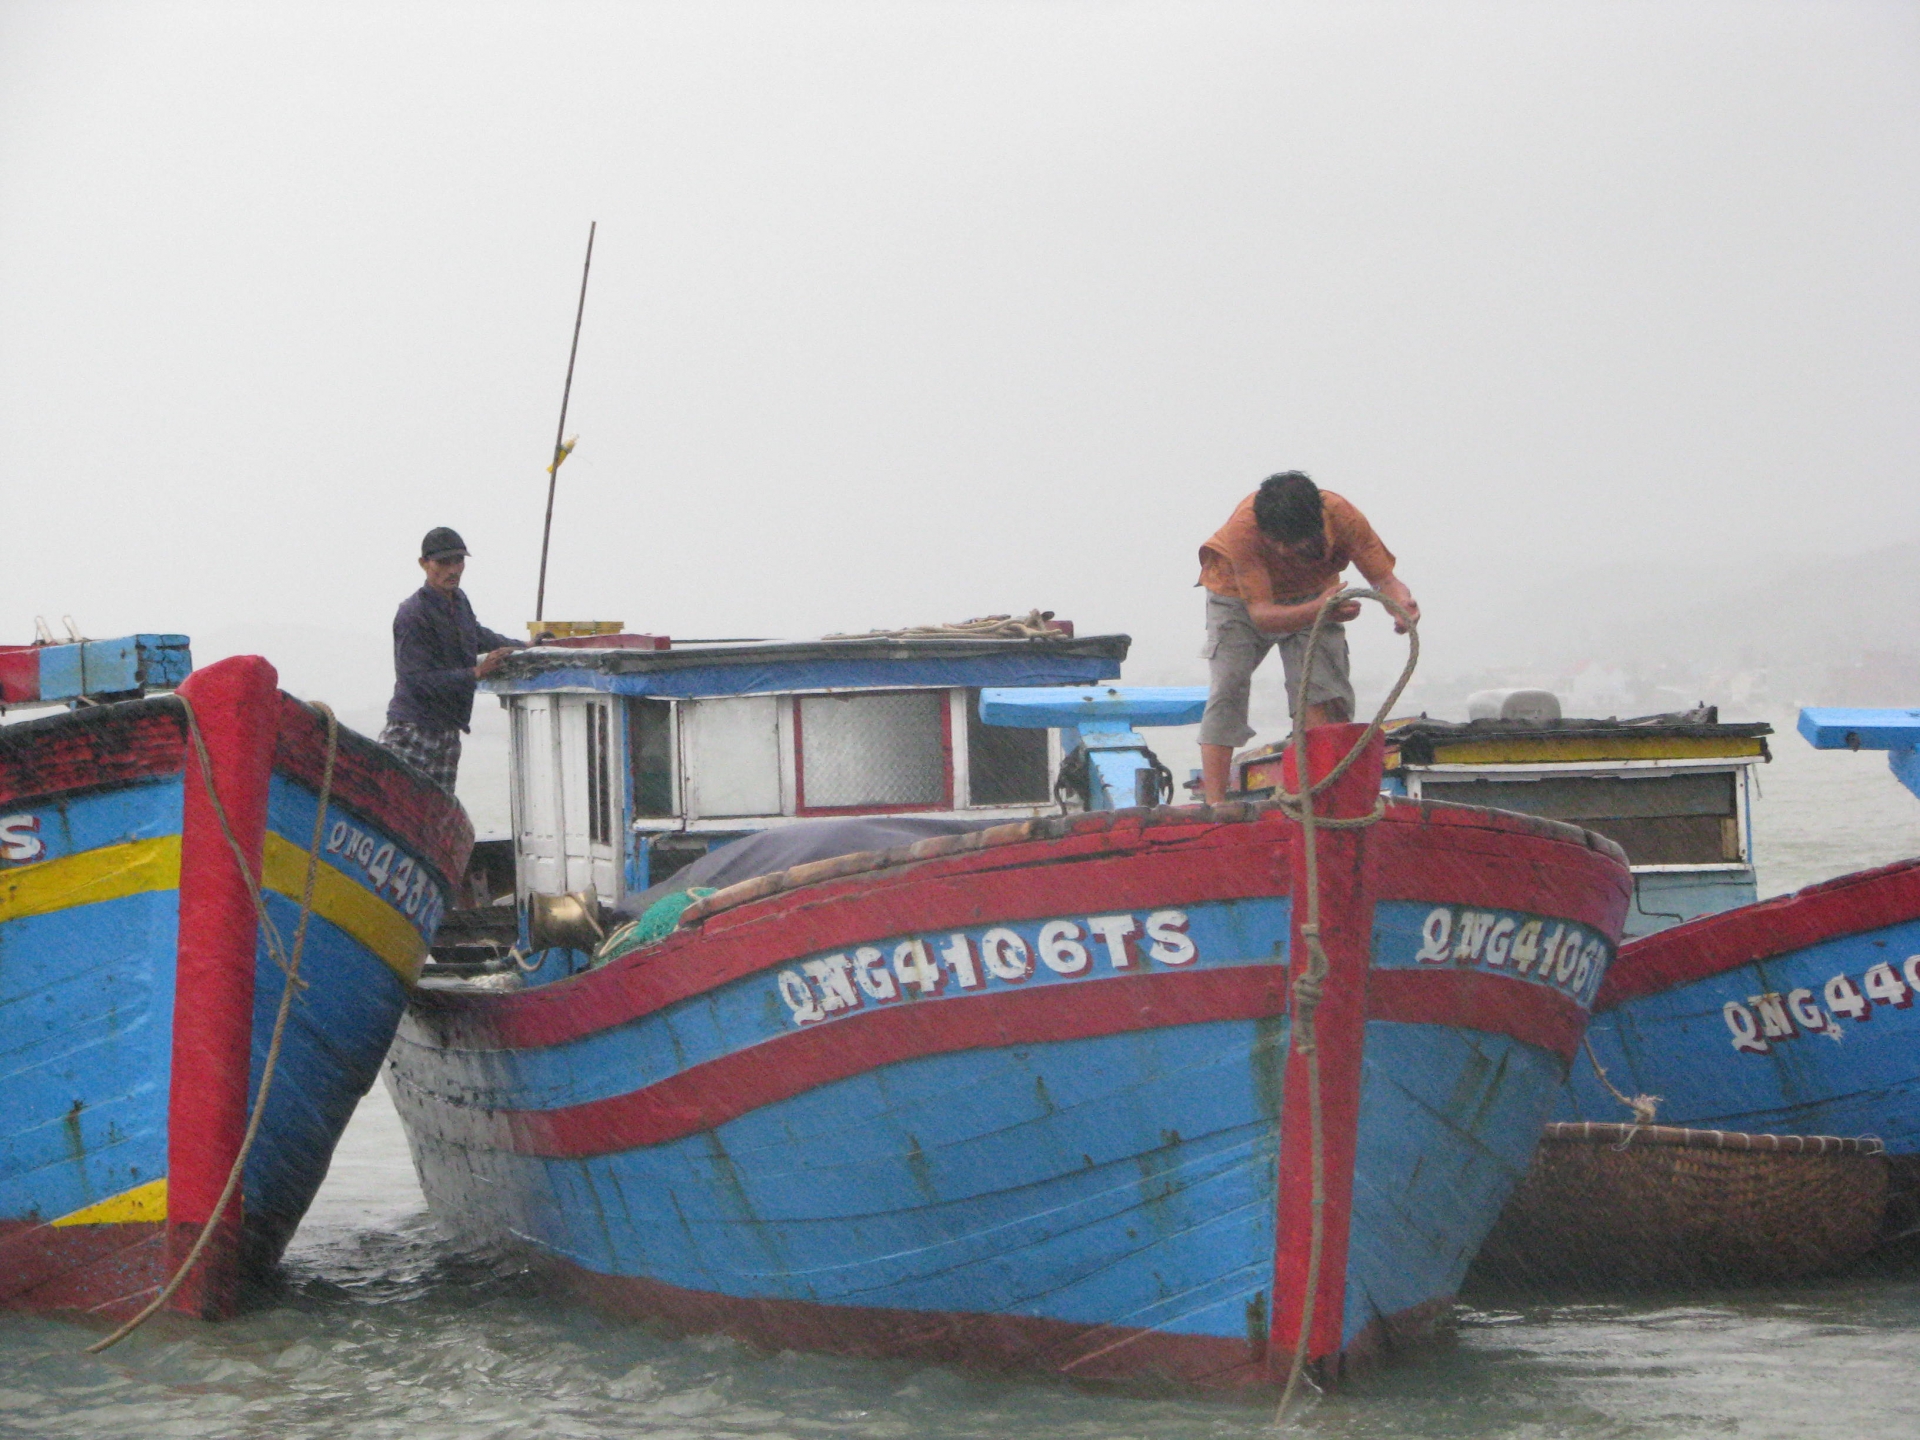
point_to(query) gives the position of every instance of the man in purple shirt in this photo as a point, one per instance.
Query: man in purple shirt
(437, 662)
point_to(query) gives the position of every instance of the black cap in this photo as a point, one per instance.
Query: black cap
(442, 542)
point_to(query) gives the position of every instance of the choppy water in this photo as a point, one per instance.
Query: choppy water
(384, 1329)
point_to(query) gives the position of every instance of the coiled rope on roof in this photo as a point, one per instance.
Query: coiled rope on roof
(1034, 625)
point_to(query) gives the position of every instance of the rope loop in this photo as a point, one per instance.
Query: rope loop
(287, 962)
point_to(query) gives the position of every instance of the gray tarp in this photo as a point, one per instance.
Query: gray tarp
(788, 845)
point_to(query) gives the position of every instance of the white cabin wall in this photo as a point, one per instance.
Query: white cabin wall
(552, 810)
(536, 797)
(591, 861)
(789, 756)
(570, 716)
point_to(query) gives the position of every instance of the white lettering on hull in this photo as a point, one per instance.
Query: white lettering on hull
(1764, 1021)
(819, 989)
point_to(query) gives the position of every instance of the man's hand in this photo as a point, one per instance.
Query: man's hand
(1292, 619)
(1394, 590)
(489, 663)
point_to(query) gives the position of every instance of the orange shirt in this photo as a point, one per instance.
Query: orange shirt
(1244, 564)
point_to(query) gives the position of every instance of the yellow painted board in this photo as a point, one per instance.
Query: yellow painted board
(348, 904)
(569, 629)
(108, 873)
(1573, 748)
(143, 1202)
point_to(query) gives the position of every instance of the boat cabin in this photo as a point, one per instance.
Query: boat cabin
(632, 757)
(1674, 791)
(629, 763)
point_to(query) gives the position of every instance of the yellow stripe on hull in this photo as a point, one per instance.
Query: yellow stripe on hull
(143, 1202)
(1574, 748)
(140, 866)
(349, 905)
(108, 873)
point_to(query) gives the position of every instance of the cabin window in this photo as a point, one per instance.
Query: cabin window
(650, 756)
(732, 749)
(867, 751)
(599, 773)
(1685, 819)
(1006, 764)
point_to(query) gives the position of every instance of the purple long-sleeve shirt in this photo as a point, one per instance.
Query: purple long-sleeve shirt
(436, 643)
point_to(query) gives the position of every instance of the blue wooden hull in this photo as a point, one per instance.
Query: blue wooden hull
(1092, 1166)
(1123, 1181)
(135, 1016)
(1793, 1016)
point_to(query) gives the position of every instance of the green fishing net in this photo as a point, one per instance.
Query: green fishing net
(660, 920)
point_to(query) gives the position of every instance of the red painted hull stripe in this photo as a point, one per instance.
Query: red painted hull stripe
(1475, 1000)
(1434, 855)
(109, 747)
(1103, 1354)
(1004, 1343)
(710, 1094)
(237, 705)
(370, 781)
(1340, 1030)
(119, 745)
(108, 1268)
(1850, 905)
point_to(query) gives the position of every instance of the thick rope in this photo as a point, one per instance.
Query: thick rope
(1645, 1108)
(1310, 985)
(289, 966)
(1034, 625)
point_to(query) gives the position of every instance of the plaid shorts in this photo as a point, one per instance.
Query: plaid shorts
(436, 753)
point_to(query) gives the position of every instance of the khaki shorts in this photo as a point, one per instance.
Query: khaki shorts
(1234, 650)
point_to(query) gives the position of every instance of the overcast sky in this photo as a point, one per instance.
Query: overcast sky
(908, 312)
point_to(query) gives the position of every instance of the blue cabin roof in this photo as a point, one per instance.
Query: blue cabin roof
(865, 664)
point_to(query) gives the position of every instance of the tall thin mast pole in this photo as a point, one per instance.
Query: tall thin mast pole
(559, 443)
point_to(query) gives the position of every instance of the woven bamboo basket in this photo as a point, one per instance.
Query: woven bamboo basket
(1638, 1206)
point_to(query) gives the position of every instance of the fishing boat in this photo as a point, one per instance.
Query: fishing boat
(1793, 1015)
(1052, 1088)
(1674, 790)
(167, 863)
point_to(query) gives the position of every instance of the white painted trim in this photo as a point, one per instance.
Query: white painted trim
(789, 756)
(959, 723)
(1723, 866)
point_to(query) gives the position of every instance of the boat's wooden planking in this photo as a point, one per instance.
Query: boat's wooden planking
(1021, 1105)
(138, 994)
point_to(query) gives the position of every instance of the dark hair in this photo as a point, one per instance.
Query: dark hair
(1287, 507)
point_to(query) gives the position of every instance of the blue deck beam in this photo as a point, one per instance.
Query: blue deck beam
(1895, 731)
(1062, 707)
(1838, 729)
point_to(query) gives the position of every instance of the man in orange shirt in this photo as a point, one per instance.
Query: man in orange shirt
(1266, 571)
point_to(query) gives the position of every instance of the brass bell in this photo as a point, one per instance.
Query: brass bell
(570, 921)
